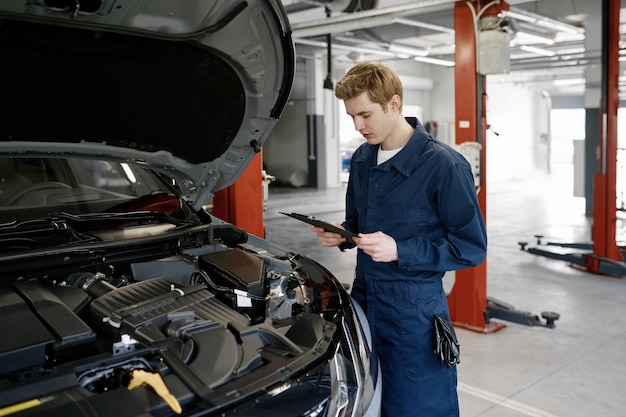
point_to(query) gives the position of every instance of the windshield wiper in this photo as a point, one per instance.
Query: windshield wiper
(60, 219)
(115, 217)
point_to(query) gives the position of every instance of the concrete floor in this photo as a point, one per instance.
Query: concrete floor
(572, 370)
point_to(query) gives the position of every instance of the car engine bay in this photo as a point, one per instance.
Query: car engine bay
(218, 318)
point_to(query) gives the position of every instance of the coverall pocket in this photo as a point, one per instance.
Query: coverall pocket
(418, 358)
(404, 317)
(403, 222)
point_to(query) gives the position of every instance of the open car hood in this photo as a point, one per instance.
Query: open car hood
(174, 85)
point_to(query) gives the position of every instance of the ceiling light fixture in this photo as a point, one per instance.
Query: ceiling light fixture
(543, 21)
(435, 61)
(414, 23)
(407, 50)
(539, 51)
(520, 16)
(561, 27)
(533, 37)
(571, 51)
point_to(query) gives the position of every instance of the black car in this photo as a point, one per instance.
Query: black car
(120, 293)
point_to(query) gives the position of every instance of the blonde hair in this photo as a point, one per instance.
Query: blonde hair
(379, 80)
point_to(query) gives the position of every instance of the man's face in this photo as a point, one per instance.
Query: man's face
(369, 118)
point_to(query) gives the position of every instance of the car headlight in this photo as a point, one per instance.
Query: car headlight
(359, 362)
(352, 373)
(344, 385)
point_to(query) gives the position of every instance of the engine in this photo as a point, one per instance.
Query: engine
(202, 321)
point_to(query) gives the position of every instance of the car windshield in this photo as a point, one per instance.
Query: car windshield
(35, 187)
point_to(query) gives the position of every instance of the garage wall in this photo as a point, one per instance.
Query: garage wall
(517, 114)
(285, 153)
(441, 109)
(517, 143)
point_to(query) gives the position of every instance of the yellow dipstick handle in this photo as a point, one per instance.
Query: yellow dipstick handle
(141, 378)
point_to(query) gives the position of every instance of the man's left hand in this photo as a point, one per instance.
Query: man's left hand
(378, 245)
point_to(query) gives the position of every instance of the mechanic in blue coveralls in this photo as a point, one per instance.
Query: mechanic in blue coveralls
(412, 201)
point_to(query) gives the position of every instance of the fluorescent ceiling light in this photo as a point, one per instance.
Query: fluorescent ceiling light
(561, 27)
(543, 21)
(571, 51)
(414, 23)
(534, 37)
(434, 61)
(538, 51)
(520, 16)
(407, 50)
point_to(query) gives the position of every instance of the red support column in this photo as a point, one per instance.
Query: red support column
(468, 299)
(604, 187)
(242, 203)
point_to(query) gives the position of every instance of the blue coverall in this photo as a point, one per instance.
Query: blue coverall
(424, 197)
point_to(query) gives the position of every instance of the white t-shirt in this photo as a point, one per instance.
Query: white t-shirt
(384, 156)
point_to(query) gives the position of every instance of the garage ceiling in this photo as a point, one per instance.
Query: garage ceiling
(548, 46)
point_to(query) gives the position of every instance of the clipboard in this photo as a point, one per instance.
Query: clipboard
(323, 224)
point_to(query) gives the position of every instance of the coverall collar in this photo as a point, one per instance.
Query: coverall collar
(403, 161)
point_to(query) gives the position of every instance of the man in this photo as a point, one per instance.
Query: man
(412, 201)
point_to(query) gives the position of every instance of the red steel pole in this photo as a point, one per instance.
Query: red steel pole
(468, 299)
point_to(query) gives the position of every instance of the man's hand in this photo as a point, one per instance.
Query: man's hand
(329, 239)
(381, 247)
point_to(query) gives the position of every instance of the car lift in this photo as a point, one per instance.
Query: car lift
(470, 308)
(606, 257)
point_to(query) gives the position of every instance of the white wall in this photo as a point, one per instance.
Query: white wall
(519, 116)
(441, 109)
(516, 114)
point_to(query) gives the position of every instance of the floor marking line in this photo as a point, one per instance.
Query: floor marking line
(503, 401)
